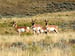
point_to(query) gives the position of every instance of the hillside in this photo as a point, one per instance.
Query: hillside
(57, 12)
(33, 7)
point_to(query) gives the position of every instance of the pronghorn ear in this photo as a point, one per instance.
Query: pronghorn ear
(14, 22)
(33, 20)
(45, 20)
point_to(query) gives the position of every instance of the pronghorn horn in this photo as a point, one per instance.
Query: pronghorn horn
(14, 22)
(33, 20)
(46, 20)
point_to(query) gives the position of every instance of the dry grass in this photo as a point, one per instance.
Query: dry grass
(7, 40)
(54, 37)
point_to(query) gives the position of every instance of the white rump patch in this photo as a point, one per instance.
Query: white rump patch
(34, 29)
(38, 31)
(28, 28)
(38, 28)
(42, 31)
(52, 29)
(21, 30)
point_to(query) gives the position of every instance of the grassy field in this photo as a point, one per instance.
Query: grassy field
(42, 45)
(65, 21)
(51, 44)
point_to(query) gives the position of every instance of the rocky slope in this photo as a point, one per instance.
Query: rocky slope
(33, 7)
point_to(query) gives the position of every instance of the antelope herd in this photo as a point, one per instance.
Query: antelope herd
(36, 28)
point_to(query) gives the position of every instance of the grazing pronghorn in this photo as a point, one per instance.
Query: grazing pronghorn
(20, 29)
(51, 27)
(36, 27)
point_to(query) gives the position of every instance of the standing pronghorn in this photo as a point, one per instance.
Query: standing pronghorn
(36, 27)
(51, 27)
(20, 29)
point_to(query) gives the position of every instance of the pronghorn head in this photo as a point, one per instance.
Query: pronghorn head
(33, 22)
(14, 24)
(46, 22)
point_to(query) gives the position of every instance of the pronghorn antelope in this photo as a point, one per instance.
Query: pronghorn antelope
(50, 28)
(20, 29)
(36, 27)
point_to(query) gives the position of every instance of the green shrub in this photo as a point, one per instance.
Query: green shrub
(6, 32)
(27, 33)
(35, 48)
(3, 24)
(48, 40)
(25, 24)
(73, 46)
